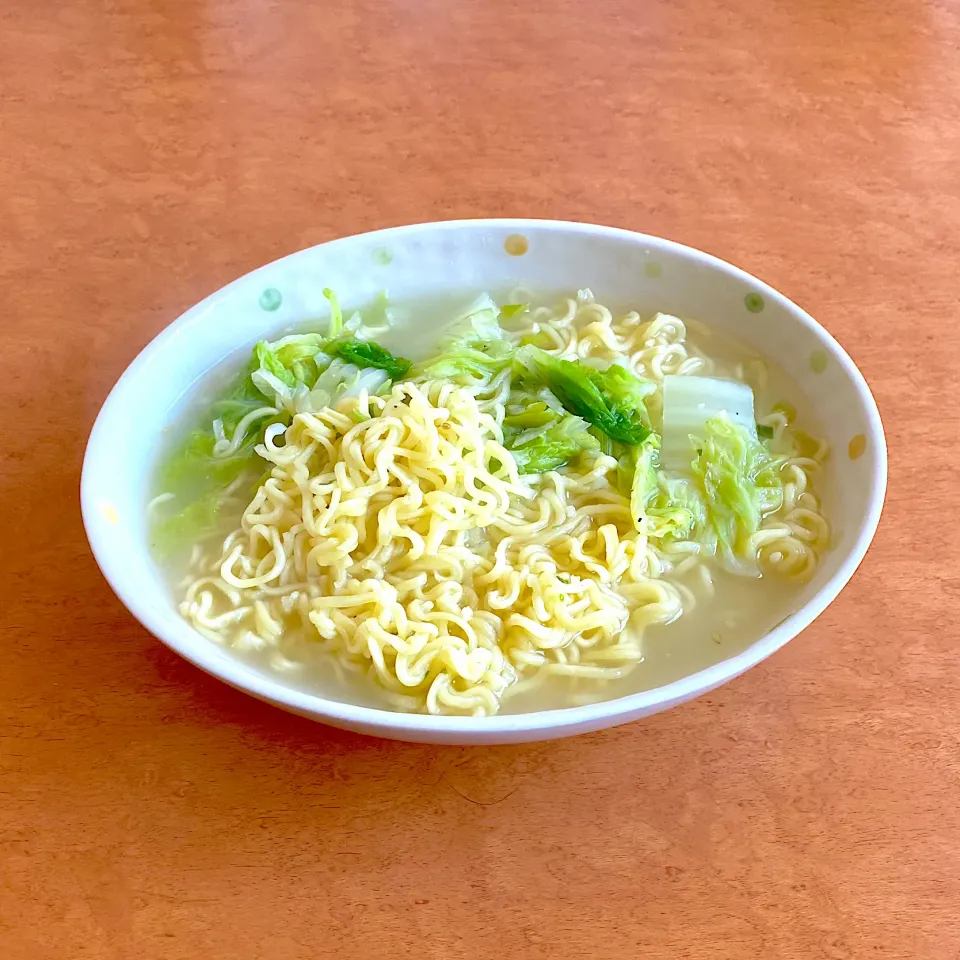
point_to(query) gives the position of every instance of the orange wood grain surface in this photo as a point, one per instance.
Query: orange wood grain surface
(151, 151)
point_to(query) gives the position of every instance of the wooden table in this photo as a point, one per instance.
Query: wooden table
(153, 151)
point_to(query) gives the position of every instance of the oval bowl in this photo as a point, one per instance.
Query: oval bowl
(624, 269)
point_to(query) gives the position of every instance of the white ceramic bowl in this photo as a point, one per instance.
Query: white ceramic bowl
(435, 259)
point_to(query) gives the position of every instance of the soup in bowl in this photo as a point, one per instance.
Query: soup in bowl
(485, 481)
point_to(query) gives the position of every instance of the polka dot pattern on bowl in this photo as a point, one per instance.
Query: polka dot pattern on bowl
(516, 245)
(818, 361)
(270, 299)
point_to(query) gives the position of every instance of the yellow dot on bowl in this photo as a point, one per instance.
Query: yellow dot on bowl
(516, 245)
(857, 446)
(109, 512)
(818, 361)
(652, 270)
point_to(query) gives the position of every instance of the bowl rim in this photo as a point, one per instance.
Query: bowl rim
(199, 651)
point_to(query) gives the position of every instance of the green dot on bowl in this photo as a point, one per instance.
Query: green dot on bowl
(270, 299)
(818, 361)
(754, 302)
(652, 269)
(382, 256)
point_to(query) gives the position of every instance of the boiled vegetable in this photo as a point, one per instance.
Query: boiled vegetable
(611, 400)
(539, 449)
(473, 347)
(689, 402)
(366, 353)
(739, 479)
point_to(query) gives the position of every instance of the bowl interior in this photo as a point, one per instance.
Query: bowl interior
(624, 270)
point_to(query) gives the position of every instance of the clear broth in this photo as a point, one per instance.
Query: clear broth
(740, 612)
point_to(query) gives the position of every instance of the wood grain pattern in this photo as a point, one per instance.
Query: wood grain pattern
(150, 152)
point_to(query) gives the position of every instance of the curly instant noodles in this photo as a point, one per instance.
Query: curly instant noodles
(395, 531)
